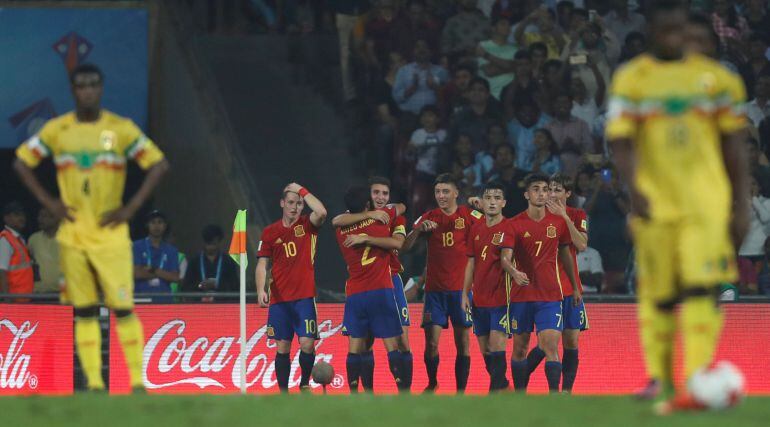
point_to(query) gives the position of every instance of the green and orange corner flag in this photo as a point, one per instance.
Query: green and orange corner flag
(238, 244)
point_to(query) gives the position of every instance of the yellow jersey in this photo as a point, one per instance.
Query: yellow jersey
(90, 161)
(676, 112)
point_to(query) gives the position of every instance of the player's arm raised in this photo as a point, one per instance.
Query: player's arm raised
(318, 214)
(579, 238)
(151, 179)
(506, 261)
(467, 284)
(260, 276)
(565, 257)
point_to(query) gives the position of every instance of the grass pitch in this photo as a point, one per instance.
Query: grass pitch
(362, 410)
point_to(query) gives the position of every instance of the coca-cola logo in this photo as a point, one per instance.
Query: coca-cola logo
(172, 358)
(14, 364)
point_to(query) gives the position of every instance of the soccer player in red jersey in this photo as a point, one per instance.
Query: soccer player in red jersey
(541, 243)
(290, 244)
(446, 229)
(489, 249)
(370, 308)
(379, 188)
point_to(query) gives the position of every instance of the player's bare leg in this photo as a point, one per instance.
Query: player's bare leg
(519, 369)
(570, 359)
(463, 358)
(283, 364)
(306, 361)
(548, 341)
(431, 357)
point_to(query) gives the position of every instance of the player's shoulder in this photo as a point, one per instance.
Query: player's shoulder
(271, 229)
(575, 213)
(642, 63)
(59, 123)
(114, 119)
(467, 211)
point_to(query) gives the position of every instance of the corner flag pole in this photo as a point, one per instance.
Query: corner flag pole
(238, 253)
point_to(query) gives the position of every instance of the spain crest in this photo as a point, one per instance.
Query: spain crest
(459, 223)
(299, 231)
(497, 238)
(550, 232)
(270, 331)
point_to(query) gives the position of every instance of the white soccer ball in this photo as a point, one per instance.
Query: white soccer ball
(717, 387)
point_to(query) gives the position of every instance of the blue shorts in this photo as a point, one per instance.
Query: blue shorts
(285, 319)
(398, 292)
(574, 317)
(372, 313)
(486, 319)
(441, 306)
(526, 316)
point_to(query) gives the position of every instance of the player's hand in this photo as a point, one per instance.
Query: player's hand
(520, 278)
(475, 202)
(380, 216)
(640, 206)
(354, 240)
(556, 207)
(207, 285)
(59, 209)
(116, 217)
(466, 303)
(577, 297)
(263, 299)
(293, 187)
(427, 226)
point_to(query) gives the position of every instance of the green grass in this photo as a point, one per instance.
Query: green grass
(362, 410)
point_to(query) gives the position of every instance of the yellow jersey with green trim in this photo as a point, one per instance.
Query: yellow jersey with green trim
(676, 112)
(90, 161)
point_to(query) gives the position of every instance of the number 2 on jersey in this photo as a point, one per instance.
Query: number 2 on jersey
(365, 260)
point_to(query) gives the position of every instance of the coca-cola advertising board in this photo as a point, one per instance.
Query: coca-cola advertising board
(36, 349)
(194, 349)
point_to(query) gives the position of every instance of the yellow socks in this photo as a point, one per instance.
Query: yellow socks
(131, 336)
(657, 333)
(88, 342)
(701, 326)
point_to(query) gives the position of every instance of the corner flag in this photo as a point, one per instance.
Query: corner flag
(238, 244)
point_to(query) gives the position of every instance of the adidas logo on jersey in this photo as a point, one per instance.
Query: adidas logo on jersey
(279, 241)
(526, 234)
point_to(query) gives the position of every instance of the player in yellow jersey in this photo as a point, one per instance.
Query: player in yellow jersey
(676, 127)
(90, 147)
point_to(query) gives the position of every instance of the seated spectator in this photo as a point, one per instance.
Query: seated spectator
(547, 155)
(463, 167)
(571, 134)
(597, 46)
(156, 262)
(729, 26)
(634, 44)
(463, 31)
(757, 18)
(417, 83)
(495, 57)
(495, 137)
(608, 206)
(212, 270)
(553, 81)
(505, 171)
(759, 107)
(622, 21)
(524, 85)
(456, 94)
(585, 107)
(590, 269)
(474, 119)
(757, 65)
(415, 23)
(546, 31)
(521, 131)
(752, 249)
(539, 54)
(427, 143)
(45, 251)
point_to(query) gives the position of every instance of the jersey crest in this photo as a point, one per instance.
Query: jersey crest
(299, 231)
(550, 232)
(497, 238)
(108, 139)
(459, 223)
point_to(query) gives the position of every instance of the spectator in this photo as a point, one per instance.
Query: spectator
(729, 26)
(463, 32)
(416, 24)
(455, 94)
(524, 85)
(634, 44)
(547, 155)
(463, 167)
(212, 270)
(757, 18)
(564, 9)
(547, 32)
(417, 83)
(596, 46)
(495, 137)
(506, 172)
(759, 107)
(387, 112)
(757, 65)
(552, 83)
(475, 118)
(156, 262)
(509, 9)
(622, 21)
(521, 131)
(539, 54)
(759, 171)
(590, 269)
(585, 107)
(751, 251)
(700, 37)
(583, 188)
(608, 207)
(495, 57)
(427, 142)
(16, 274)
(571, 134)
(347, 13)
(45, 251)
(376, 34)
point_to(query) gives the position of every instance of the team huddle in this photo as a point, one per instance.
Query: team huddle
(505, 278)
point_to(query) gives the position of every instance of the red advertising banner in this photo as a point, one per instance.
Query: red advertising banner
(194, 348)
(36, 349)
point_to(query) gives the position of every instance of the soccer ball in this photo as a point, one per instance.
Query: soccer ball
(717, 387)
(323, 373)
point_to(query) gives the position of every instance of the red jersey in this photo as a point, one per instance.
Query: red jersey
(368, 266)
(292, 251)
(397, 227)
(579, 218)
(491, 283)
(536, 252)
(446, 247)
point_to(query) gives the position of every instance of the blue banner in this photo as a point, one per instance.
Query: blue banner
(40, 45)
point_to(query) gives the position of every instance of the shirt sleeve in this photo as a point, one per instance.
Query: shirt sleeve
(509, 238)
(623, 108)
(6, 251)
(32, 151)
(399, 226)
(265, 248)
(731, 104)
(564, 236)
(140, 148)
(581, 221)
